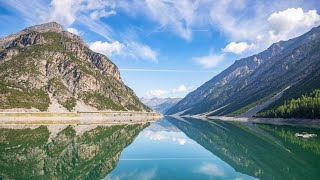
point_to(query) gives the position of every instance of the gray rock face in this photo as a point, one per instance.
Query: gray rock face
(254, 78)
(47, 60)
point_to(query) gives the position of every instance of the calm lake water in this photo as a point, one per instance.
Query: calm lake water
(167, 149)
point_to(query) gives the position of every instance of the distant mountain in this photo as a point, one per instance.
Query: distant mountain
(45, 68)
(293, 66)
(160, 105)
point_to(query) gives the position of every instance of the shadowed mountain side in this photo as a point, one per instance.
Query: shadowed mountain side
(253, 80)
(252, 153)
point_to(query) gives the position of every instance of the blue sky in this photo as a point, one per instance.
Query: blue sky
(167, 48)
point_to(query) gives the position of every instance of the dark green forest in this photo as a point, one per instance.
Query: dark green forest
(306, 106)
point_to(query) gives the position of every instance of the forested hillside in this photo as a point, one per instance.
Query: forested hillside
(306, 106)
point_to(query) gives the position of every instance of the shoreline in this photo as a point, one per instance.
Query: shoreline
(78, 118)
(309, 123)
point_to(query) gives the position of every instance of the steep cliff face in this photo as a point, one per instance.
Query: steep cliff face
(251, 80)
(47, 68)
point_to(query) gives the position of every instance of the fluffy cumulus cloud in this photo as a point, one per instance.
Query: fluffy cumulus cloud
(67, 12)
(210, 61)
(238, 48)
(73, 30)
(63, 11)
(130, 49)
(182, 88)
(291, 22)
(167, 92)
(106, 48)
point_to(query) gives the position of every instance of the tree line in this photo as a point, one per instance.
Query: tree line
(306, 106)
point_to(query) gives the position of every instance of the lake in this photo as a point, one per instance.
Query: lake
(167, 149)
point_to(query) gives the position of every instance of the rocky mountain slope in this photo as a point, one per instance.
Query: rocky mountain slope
(46, 68)
(250, 81)
(160, 105)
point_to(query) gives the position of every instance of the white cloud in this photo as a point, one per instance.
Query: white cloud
(63, 11)
(74, 31)
(210, 170)
(238, 48)
(141, 51)
(166, 93)
(101, 13)
(210, 61)
(260, 22)
(182, 88)
(291, 22)
(174, 16)
(132, 49)
(156, 93)
(106, 48)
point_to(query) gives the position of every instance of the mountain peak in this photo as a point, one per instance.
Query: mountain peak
(46, 27)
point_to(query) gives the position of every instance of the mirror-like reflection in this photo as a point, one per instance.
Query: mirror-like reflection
(170, 148)
(262, 151)
(163, 151)
(188, 148)
(73, 152)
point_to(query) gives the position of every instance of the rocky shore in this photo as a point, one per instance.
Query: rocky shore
(311, 123)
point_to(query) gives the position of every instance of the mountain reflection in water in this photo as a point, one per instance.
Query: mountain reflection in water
(170, 148)
(188, 148)
(33, 154)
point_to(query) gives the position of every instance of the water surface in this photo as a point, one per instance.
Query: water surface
(196, 149)
(167, 149)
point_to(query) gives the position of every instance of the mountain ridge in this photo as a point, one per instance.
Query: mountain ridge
(250, 80)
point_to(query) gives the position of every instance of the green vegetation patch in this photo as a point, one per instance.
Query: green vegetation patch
(23, 98)
(70, 103)
(306, 106)
(100, 101)
(23, 138)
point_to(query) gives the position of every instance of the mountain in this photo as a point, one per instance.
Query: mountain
(46, 68)
(160, 105)
(291, 67)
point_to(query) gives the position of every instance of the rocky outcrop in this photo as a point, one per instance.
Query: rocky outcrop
(45, 61)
